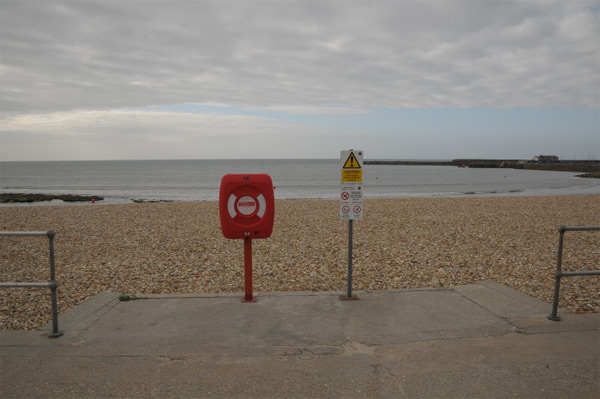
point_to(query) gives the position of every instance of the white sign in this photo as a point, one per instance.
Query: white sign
(351, 189)
(246, 205)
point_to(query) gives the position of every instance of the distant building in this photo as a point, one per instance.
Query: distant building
(545, 158)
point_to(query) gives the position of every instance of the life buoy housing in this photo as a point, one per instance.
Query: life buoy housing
(246, 205)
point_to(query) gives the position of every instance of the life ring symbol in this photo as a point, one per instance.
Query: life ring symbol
(233, 205)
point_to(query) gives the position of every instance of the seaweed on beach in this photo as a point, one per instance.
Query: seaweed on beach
(591, 175)
(8, 198)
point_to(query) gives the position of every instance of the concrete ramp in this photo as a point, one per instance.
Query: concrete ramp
(481, 340)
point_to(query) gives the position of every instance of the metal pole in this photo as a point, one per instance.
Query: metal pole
(23, 233)
(248, 270)
(558, 275)
(349, 295)
(25, 285)
(580, 228)
(571, 274)
(53, 287)
(350, 258)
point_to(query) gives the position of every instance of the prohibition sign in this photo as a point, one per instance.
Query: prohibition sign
(356, 209)
(346, 209)
(345, 195)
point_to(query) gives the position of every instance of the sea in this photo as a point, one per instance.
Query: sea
(199, 180)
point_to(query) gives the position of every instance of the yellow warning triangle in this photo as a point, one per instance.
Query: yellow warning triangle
(351, 162)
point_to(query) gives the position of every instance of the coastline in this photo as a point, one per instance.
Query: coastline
(591, 167)
(402, 243)
(85, 200)
(128, 181)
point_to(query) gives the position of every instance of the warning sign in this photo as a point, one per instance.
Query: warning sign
(351, 170)
(351, 175)
(351, 162)
(351, 202)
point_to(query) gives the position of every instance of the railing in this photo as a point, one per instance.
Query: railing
(53, 284)
(559, 273)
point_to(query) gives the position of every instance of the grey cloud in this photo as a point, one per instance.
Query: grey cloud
(157, 135)
(102, 55)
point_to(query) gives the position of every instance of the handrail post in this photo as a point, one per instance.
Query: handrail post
(53, 287)
(557, 275)
(53, 284)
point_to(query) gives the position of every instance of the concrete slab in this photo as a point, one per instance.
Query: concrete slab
(504, 301)
(462, 342)
(86, 313)
(297, 320)
(509, 366)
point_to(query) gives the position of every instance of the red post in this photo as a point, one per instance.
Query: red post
(248, 270)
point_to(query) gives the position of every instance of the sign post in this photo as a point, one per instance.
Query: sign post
(351, 203)
(248, 297)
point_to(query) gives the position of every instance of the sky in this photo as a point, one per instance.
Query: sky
(112, 79)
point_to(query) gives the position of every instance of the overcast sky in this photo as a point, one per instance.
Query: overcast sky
(114, 79)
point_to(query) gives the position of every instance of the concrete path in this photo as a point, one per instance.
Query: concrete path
(476, 341)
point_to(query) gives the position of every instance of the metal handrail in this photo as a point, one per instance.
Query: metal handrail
(52, 284)
(559, 273)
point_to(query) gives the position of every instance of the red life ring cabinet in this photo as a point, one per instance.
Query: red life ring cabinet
(246, 206)
(247, 210)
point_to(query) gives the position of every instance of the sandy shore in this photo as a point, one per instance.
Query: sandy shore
(401, 243)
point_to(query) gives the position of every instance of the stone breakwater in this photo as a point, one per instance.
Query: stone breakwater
(138, 249)
(591, 166)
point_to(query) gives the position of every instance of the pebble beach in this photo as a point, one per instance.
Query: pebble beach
(178, 248)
